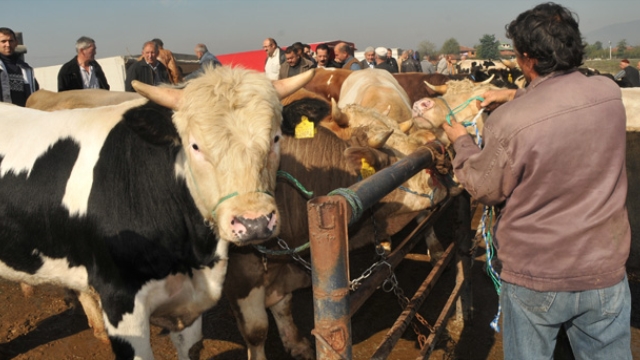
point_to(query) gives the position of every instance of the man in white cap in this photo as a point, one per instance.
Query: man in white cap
(381, 60)
(369, 59)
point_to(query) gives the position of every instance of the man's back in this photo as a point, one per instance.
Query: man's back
(565, 180)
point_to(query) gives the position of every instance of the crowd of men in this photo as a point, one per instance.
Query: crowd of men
(157, 65)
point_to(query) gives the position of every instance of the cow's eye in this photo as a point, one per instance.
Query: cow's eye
(195, 147)
(276, 139)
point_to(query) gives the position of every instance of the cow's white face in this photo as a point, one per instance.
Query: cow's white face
(229, 124)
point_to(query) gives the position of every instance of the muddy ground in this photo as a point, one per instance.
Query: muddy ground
(47, 326)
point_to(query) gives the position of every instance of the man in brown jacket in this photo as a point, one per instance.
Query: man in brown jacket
(554, 161)
(294, 64)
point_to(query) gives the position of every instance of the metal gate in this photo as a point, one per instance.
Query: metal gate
(329, 217)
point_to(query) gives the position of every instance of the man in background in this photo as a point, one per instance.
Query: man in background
(205, 58)
(382, 62)
(83, 71)
(17, 80)
(427, 66)
(295, 64)
(148, 70)
(628, 75)
(343, 55)
(275, 58)
(369, 61)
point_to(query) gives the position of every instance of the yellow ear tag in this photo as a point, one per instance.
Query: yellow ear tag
(305, 129)
(510, 79)
(366, 170)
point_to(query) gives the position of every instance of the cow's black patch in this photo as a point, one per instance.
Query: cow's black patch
(141, 222)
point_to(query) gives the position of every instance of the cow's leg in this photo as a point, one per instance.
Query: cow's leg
(253, 321)
(131, 338)
(299, 347)
(187, 338)
(27, 290)
(434, 246)
(91, 306)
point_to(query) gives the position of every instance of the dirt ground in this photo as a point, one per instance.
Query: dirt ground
(46, 326)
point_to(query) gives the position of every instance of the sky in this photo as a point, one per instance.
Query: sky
(51, 27)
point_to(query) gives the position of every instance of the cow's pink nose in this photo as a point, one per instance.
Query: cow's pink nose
(248, 228)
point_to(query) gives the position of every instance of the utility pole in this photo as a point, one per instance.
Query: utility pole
(609, 49)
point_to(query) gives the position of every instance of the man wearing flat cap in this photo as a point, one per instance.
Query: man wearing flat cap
(369, 58)
(380, 54)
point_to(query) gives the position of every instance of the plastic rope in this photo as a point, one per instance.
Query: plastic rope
(298, 249)
(298, 185)
(353, 200)
(487, 224)
(460, 107)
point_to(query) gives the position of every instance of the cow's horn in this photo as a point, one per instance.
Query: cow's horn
(337, 115)
(486, 81)
(440, 89)
(288, 86)
(164, 96)
(378, 140)
(388, 111)
(405, 126)
(508, 63)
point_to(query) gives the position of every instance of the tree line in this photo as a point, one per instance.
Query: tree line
(489, 48)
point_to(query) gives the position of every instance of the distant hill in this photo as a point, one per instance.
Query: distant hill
(615, 33)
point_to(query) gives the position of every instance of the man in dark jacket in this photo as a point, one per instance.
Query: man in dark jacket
(562, 237)
(148, 70)
(83, 71)
(381, 60)
(628, 75)
(17, 80)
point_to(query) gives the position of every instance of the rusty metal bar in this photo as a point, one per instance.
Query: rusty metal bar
(370, 284)
(330, 276)
(405, 318)
(328, 236)
(378, 185)
(440, 324)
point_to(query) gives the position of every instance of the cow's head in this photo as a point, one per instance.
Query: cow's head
(228, 121)
(459, 101)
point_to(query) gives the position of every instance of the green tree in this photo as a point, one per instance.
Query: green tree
(450, 46)
(427, 48)
(597, 45)
(622, 46)
(488, 48)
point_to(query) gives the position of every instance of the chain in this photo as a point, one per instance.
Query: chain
(283, 244)
(391, 284)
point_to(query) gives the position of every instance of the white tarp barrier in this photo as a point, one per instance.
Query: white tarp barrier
(113, 68)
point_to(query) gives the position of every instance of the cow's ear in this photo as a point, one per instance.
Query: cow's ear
(315, 110)
(359, 157)
(152, 123)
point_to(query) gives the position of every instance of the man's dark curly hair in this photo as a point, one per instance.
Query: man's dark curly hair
(548, 33)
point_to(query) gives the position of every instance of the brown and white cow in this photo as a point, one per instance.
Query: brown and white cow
(376, 89)
(322, 163)
(327, 82)
(74, 99)
(140, 200)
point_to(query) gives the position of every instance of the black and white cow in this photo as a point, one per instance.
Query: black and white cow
(138, 202)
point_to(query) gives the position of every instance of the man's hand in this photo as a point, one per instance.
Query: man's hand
(497, 96)
(454, 131)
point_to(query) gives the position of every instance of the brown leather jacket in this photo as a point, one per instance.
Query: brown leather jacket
(555, 155)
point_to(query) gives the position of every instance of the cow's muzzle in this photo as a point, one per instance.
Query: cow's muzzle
(248, 230)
